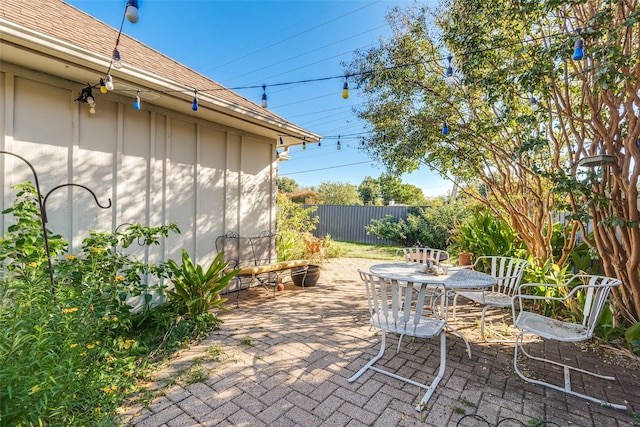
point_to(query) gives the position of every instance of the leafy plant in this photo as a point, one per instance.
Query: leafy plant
(293, 221)
(484, 234)
(632, 335)
(69, 355)
(197, 290)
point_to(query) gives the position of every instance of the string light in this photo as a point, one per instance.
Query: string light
(131, 11)
(136, 102)
(108, 84)
(445, 126)
(281, 141)
(264, 96)
(116, 60)
(194, 106)
(304, 143)
(578, 47)
(131, 14)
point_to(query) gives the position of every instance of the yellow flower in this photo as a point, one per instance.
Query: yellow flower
(110, 359)
(114, 387)
(69, 310)
(33, 264)
(105, 318)
(130, 341)
(74, 395)
(118, 279)
(107, 389)
(84, 353)
(90, 346)
(98, 342)
(34, 389)
(115, 319)
(73, 345)
(70, 257)
(97, 250)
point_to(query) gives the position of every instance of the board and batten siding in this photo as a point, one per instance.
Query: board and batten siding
(157, 167)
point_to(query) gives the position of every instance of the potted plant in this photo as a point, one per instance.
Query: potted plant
(316, 253)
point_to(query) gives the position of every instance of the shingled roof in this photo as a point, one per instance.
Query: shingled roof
(62, 21)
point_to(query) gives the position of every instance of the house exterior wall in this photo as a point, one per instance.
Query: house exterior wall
(157, 166)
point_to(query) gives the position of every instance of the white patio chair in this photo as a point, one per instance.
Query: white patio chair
(421, 254)
(591, 295)
(399, 309)
(508, 273)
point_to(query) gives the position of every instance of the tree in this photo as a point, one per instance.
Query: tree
(287, 185)
(370, 191)
(519, 117)
(393, 189)
(338, 193)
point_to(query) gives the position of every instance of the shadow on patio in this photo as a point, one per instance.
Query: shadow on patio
(285, 361)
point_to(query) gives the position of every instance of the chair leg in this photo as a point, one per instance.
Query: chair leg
(455, 331)
(429, 388)
(455, 305)
(567, 377)
(372, 361)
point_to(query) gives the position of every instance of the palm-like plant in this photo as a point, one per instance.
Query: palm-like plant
(196, 290)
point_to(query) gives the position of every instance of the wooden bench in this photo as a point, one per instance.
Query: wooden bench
(255, 257)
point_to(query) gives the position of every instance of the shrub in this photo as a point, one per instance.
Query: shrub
(70, 354)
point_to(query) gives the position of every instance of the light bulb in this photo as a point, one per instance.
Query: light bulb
(304, 143)
(264, 96)
(136, 102)
(108, 84)
(578, 46)
(578, 50)
(194, 105)
(116, 60)
(92, 104)
(533, 102)
(449, 70)
(338, 146)
(281, 141)
(131, 12)
(103, 88)
(445, 126)
(345, 90)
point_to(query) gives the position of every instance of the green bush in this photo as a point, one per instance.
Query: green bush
(423, 227)
(485, 234)
(70, 354)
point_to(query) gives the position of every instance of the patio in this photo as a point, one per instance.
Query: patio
(285, 361)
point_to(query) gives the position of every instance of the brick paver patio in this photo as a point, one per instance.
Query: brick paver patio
(285, 361)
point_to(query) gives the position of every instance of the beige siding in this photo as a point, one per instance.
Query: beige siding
(156, 167)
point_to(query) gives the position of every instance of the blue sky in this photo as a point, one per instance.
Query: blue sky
(249, 43)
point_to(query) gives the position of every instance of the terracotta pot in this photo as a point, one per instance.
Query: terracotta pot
(465, 258)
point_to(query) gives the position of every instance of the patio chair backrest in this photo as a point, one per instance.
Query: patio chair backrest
(596, 291)
(421, 254)
(507, 270)
(400, 307)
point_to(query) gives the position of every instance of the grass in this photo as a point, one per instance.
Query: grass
(363, 250)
